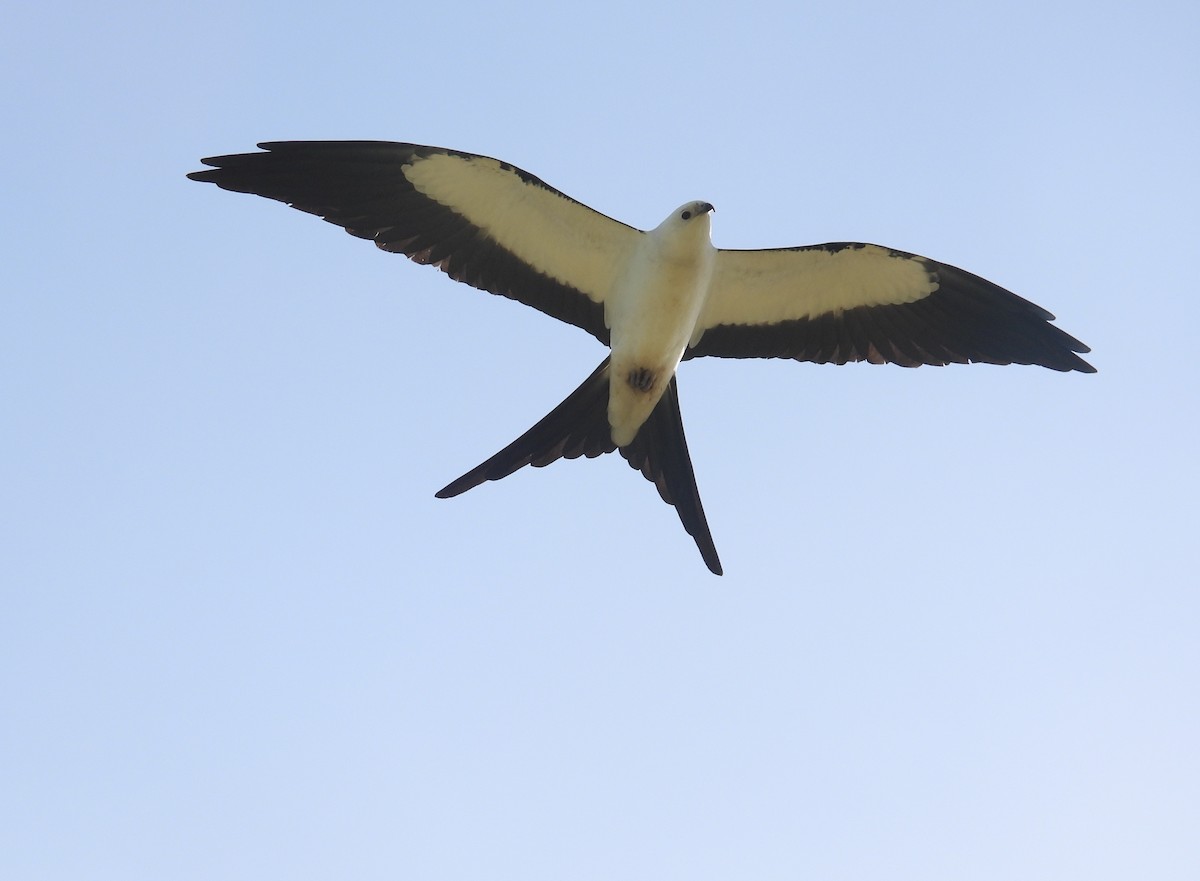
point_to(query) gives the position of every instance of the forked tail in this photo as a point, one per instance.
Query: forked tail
(579, 427)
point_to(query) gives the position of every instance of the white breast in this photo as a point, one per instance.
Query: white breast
(652, 317)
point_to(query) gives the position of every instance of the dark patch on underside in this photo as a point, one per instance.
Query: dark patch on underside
(641, 379)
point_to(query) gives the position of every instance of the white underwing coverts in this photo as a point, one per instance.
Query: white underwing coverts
(654, 297)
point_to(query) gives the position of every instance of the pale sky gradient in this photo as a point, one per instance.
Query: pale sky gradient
(241, 639)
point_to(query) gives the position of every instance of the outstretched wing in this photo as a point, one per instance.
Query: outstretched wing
(479, 220)
(845, 301)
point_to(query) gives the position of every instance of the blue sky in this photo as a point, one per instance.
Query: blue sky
(957, 637)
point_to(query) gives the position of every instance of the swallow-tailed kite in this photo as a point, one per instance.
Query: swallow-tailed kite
(653, 297)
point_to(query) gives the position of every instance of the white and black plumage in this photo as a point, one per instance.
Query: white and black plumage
(654, 297)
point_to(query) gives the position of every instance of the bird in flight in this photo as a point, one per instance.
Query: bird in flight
(654, 297)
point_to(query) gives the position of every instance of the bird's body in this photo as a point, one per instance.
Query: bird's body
(653, 314)
(655, 298)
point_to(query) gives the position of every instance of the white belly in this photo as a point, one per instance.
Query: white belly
(651, 320)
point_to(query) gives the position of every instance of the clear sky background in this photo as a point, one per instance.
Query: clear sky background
(241, 639)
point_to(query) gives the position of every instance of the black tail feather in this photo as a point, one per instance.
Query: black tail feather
(660, 452)
(576, 427)
(579, 427)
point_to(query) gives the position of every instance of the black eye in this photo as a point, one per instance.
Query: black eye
(687, 215)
